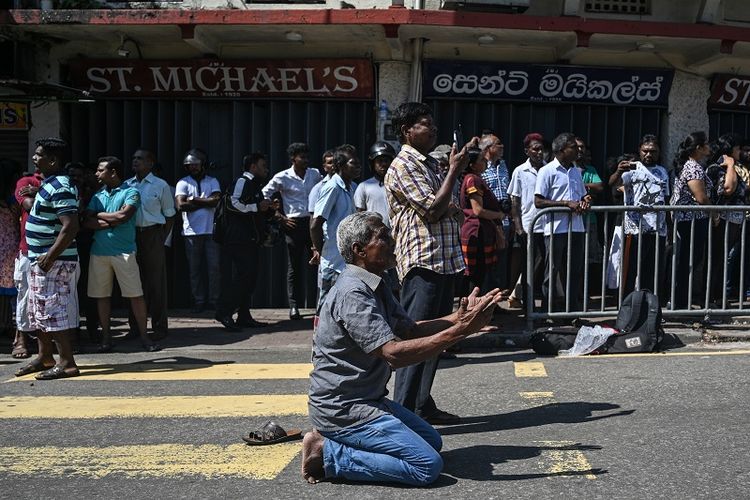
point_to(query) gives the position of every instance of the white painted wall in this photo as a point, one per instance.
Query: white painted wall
(687, 112)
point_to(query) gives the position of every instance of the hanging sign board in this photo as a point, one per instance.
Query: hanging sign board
(730, 92)
(316, 78)
(547, 83)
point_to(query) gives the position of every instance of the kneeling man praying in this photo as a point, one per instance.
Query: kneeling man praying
(363, 334)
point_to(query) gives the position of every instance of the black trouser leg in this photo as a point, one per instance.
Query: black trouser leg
(424, 295)
(298, 248)
(239, 270)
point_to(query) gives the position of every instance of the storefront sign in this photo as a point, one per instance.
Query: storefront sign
(14, 116)
(547, 83)
(342, 78)
(730, 91)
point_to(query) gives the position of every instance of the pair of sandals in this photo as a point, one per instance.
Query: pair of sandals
(46, 373)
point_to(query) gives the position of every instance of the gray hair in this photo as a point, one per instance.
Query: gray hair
(439, 156)
(562, 140)
(486, 141)
(358, 227)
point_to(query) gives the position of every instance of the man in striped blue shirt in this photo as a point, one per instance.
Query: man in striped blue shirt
(53, 272)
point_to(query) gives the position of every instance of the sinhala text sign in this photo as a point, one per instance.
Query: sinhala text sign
(339, 78)
(547, 83)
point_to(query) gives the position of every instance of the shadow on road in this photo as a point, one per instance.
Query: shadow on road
(484, 462)
(158, 365)
(552, 413)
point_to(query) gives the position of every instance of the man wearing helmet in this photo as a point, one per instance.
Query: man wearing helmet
(370, 194)
(197, 195)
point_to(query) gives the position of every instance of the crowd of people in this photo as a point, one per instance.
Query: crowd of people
(125, 222)
(390, 254)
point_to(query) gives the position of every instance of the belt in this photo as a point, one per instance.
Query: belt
(143, 229)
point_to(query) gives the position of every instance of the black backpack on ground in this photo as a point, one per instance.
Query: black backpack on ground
(549, 340)
(639, 325)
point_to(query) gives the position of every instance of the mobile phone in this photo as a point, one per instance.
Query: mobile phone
(633, 164)
(458, 137)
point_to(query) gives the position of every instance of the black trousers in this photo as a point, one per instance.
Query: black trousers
(559, 256)
(537, 241)
(424, 295)
(683, 271)
(152, 265)
(299, 272)
(239, 272)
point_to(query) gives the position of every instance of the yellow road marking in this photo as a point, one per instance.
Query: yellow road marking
(538, 398)
(160, 460)
(153, 407)
(564, 459)
(529, 369)
(168, 371)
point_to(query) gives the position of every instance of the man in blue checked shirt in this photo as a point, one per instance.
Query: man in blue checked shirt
(497, 178)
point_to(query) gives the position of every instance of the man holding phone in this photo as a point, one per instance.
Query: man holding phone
(426, 225)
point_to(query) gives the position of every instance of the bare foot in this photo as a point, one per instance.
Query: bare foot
(312, 457)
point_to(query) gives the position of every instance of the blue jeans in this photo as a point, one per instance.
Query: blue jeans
(398, 447)
(203, 263)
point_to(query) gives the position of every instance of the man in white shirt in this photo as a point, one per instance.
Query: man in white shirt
(644, 183)
(521, 191)
(153, 222)
(370, 194)
(197, 195)
(294, 185)
(558, 184)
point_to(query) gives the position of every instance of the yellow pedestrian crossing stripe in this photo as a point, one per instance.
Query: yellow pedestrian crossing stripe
(159, 460)
(170, 371)
(538, 398)
(563, 458)
(529, 369)
(559, 458)
(89, 407)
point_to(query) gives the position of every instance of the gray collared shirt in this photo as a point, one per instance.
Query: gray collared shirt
(348, 382)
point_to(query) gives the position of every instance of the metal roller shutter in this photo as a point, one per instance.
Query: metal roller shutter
(226, 130)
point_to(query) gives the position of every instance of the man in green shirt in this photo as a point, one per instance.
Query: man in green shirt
(111, 214)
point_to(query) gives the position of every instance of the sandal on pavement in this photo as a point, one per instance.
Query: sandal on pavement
(56, 372)
(271, 433)
(31, 368)
(20, 352)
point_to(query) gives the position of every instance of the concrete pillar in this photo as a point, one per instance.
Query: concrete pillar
(393, 88)
(687, 112)
(45, 116)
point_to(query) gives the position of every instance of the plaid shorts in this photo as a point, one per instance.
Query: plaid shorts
(53, 297)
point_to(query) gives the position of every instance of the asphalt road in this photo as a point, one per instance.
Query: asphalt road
(168, 425)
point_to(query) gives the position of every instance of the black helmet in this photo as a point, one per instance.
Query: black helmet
(381, 148)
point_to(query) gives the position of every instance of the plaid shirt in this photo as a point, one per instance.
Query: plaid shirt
(497, 179)
(411, 184)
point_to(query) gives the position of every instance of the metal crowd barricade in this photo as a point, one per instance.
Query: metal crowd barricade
(722, 307)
